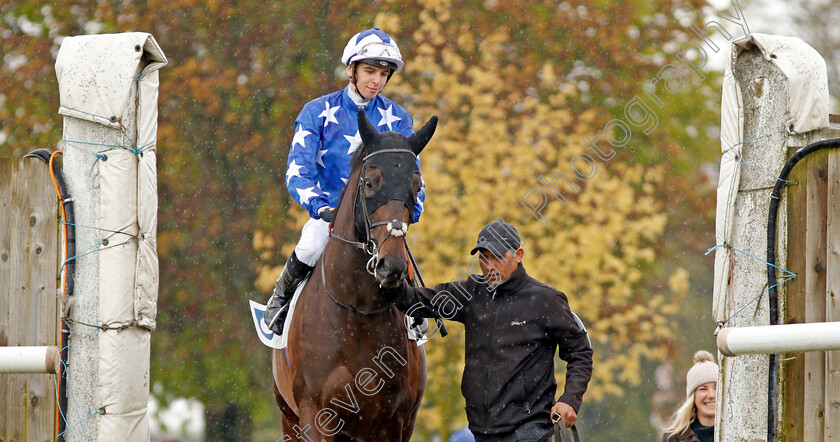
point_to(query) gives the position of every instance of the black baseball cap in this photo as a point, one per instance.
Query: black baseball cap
(498, 237)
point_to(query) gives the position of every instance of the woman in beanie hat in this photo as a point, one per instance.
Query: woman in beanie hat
(694, 421)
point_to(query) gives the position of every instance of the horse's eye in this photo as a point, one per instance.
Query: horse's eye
(368, 184)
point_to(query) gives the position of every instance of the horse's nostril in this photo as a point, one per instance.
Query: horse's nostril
(391, 269)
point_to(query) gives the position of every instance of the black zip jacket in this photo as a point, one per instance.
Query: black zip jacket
(511, 336)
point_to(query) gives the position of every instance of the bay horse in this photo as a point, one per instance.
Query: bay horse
(349, 369)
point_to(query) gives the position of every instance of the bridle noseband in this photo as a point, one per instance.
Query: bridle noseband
(393, 227)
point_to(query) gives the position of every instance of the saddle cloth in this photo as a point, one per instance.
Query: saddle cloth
(270, 339)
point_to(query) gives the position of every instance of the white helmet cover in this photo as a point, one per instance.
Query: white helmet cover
(372, 44)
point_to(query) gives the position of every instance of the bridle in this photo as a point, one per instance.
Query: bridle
(395, 228)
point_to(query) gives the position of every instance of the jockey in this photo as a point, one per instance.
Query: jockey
(326, 136)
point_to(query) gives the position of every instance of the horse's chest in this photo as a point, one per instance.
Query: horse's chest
(370, 395)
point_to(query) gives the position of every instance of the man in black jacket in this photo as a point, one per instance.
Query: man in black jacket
(513, 325)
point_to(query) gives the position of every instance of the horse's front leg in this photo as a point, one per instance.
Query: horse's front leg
(393, 430)
(307, 430)
(290, 420)
(408, 428)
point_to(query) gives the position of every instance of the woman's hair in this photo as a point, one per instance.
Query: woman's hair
(683, 417)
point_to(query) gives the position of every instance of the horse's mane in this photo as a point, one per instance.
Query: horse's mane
(358, 155)
(355, 161)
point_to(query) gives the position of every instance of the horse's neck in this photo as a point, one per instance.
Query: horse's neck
(345, 224)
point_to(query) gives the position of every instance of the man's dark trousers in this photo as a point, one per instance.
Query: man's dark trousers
(529, 432)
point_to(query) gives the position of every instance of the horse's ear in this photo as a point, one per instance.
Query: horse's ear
(420, 138)
(369, 134)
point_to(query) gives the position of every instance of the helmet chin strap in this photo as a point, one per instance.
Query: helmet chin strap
(358, 92)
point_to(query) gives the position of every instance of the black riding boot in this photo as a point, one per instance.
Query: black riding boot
(278, 305)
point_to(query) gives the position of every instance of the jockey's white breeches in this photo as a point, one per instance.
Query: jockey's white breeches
(313, 240)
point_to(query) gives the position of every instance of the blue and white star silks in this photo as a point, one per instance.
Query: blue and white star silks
(292, 171)
(326, 137)
(355, 141)
(319, 188)
(305, 194)
(320, 159)
(388, 117)
(300, 137)
(328, 114)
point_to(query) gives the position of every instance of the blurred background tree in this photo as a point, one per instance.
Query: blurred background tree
(516, 84)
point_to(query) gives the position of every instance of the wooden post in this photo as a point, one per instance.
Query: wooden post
(28, 293)
(792, 305)
(832, 293)
(815, 259)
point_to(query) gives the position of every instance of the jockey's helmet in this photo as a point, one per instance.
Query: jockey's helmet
(375, 47)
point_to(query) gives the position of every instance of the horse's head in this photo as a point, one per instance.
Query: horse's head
(389, 181)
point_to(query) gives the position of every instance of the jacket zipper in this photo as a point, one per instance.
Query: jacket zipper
(490, 365)
(526, 402)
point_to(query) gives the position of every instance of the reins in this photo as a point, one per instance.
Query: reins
(440, 325)
(349, 307)
(558, 431)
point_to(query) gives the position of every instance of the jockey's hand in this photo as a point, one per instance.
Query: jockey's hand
(566, 412)
(327, 214)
